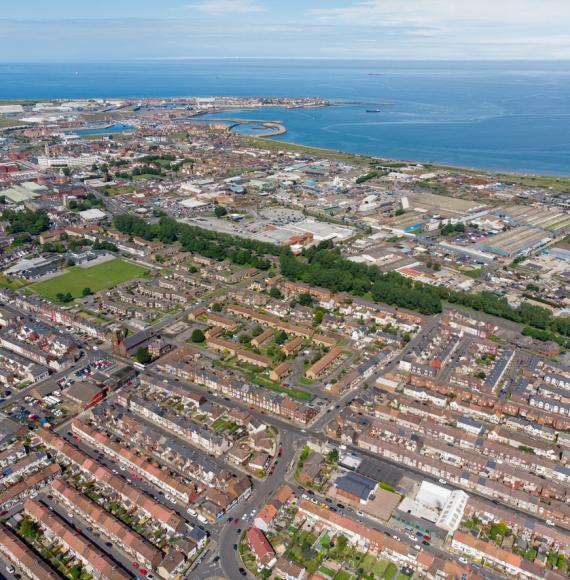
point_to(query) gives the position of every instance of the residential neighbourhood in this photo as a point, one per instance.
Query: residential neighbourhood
(223, 357)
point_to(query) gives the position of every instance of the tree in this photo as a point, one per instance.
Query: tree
(64, 298)
(143, 355)
(318, 316)
(281, 337)
(220, 211)
(26, 221)
(28, 529)
(87, 291)
(341, 543)
(197, 336)
(244, 339)
(216, 307)
(257, 330)
(305, 299)
(275, 293)
(333, 455)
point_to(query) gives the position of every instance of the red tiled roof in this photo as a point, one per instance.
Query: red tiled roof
(260, 546)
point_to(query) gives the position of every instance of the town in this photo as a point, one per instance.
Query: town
(223, 355)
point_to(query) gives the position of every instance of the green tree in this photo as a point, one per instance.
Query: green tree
(281, 337)
(197, 336)
(216, 307)
(333, 455)
(305, 299)
(87, 291)
(275, 293)
(26, 221)
(220, 211)
(28, 529)
(318, 316)
(143, 355)
(64, 298)
(341, 543)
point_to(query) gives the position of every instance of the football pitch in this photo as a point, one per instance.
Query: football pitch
(98, 277)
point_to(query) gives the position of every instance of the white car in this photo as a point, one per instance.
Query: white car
(463, 560)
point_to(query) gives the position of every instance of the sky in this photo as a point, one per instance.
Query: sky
(105, 30)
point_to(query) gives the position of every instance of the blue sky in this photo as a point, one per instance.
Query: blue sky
(74, 31)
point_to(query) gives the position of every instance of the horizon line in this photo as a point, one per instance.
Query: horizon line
(269, 58)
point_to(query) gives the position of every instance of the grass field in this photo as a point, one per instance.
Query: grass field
(4, 123)
(99, 277)
(12, 283)
(298, 394)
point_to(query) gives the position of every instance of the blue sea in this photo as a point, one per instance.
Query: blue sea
(512, 116)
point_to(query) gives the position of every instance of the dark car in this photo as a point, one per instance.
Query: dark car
(242, 572)
(216, 559)
(425, 543)
(235, 546)
(340, 506)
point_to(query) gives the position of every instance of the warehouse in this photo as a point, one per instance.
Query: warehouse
(515, 242)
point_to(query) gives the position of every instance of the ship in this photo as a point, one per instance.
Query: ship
(373, 110)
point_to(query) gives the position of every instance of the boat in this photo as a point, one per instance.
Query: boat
(373, 110)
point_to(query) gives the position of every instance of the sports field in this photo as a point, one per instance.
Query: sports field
(99, 277)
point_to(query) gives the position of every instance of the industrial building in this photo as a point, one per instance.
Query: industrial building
(516, 242)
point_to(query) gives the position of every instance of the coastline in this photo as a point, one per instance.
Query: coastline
(519, 177)
(547, 180)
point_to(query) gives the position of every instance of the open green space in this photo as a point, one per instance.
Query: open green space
(298, 394)
(99, 277)
(4, 123)
(117, 189)
(475, 274)
(12, 283)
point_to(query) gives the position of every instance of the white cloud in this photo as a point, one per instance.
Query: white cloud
(219, 7)
(433, 12)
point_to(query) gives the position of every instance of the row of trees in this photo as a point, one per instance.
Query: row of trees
(324, 266)
(31, 222)
(208, 243)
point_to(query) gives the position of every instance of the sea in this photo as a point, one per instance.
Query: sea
(504, 116)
